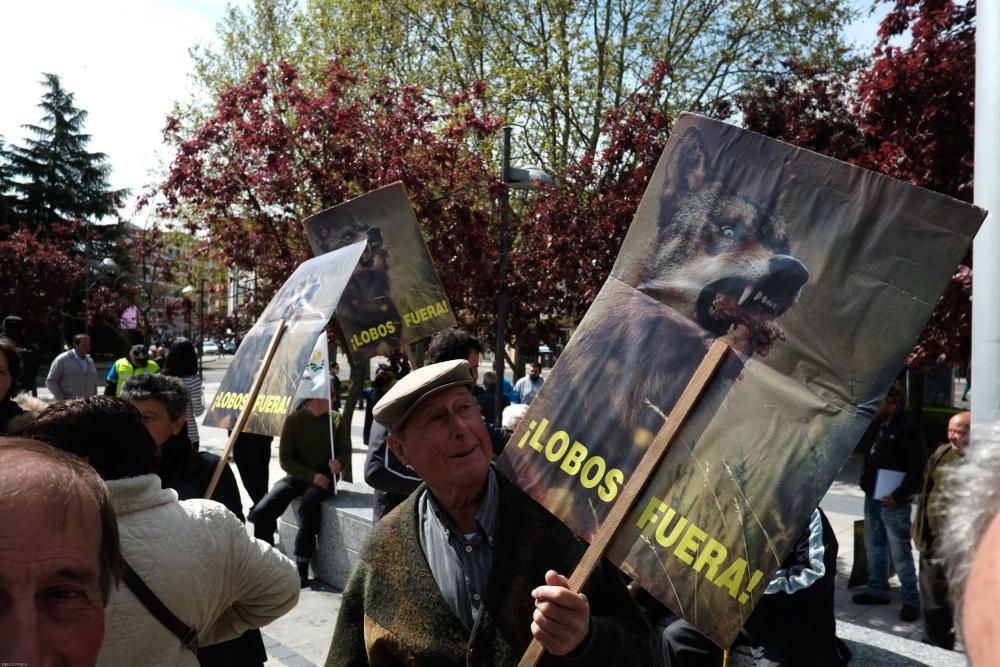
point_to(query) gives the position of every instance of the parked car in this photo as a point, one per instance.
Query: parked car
(210, 347)
(229, 347)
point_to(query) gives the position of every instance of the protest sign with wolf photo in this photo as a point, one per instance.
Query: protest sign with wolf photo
(395, 297)
(819, 275)
(306, 301)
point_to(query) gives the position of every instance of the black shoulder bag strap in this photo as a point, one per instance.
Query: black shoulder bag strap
(187, 635)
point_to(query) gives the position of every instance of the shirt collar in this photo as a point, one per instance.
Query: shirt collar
(486, 515)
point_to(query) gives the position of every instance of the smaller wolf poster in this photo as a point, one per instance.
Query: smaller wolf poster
(819, 275)
(306, 302)
(395, 297)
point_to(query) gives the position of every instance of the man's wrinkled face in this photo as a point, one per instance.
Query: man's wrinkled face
(958, 432)
(445, 441)
(157, 421)
(51, 611)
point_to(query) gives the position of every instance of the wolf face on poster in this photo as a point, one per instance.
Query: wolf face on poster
(819, 275)
(394, 297)
(306, 301)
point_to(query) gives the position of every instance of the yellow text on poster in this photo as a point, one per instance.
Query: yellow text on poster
(693, 546)
(573, 459)
(266, 403)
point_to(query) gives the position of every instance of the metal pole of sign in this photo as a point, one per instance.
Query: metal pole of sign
(201, 328)
(498, 360)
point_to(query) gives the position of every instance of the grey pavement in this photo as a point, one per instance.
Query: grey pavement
(874, 634)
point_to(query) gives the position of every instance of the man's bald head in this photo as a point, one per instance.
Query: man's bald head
(958, 431)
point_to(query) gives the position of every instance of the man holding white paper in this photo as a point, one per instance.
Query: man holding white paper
(894, 462)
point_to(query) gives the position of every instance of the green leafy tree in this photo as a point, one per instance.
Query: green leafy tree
(55, 192)
(53, 177)
(555, 68)
(7, 199)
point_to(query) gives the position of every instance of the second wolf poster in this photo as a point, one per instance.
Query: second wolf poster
(394, 297)
(819, 275)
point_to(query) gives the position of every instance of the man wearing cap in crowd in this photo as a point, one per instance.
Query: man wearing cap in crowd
(136, 363)
(468, 569)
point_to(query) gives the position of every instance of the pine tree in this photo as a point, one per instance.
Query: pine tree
(53, 176)
(7, 198)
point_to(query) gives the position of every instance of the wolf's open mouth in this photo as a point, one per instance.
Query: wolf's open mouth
(747, 309)
(727, 313)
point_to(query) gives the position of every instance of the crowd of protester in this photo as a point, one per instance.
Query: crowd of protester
(102, 519)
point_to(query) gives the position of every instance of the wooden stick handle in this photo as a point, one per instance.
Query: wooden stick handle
(640, 478)
(247, 408)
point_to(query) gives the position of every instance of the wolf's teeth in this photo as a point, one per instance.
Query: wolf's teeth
(732, 327)
(746, 295)
(758, 296)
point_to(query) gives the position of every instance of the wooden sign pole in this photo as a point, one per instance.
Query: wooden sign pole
(637, 482)
(247, 408)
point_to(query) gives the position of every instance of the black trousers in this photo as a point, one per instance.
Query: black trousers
(683, 646)
(939, 623)
(252, 453)
(267, 511)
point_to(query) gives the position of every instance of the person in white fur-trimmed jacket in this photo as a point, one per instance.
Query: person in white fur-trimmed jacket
(194, 555)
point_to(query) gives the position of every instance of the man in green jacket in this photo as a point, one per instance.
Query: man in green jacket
(304, 454)
(939, 616)
(469, 569)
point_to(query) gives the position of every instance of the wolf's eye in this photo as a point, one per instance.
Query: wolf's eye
(728, 231)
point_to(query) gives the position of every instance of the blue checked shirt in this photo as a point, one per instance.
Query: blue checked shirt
(460, 563)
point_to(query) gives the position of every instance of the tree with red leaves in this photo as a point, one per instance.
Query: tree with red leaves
(277, 150)
(34, 274)
(909, 115)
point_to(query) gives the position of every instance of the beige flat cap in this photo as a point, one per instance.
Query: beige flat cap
(402, 399)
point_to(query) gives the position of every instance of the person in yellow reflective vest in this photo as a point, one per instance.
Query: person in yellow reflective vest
(136, 363)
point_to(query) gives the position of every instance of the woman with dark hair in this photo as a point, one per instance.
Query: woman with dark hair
(182, 362)
(10, 374)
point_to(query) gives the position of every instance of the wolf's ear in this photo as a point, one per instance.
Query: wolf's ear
(687, 165)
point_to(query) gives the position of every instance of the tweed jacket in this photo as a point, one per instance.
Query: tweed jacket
(197, 558)
(930, 510)
(392, 612)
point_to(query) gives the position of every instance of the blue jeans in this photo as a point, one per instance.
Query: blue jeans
(888, 529)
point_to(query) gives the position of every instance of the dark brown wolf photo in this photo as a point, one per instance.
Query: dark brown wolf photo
(700, 262)
(367, 299)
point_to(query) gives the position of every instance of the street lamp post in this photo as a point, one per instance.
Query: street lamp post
(201, 321)
(498, 354)
(106, 266)
(521, 179)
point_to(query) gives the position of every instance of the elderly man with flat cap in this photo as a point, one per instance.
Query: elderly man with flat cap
(468, 569)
